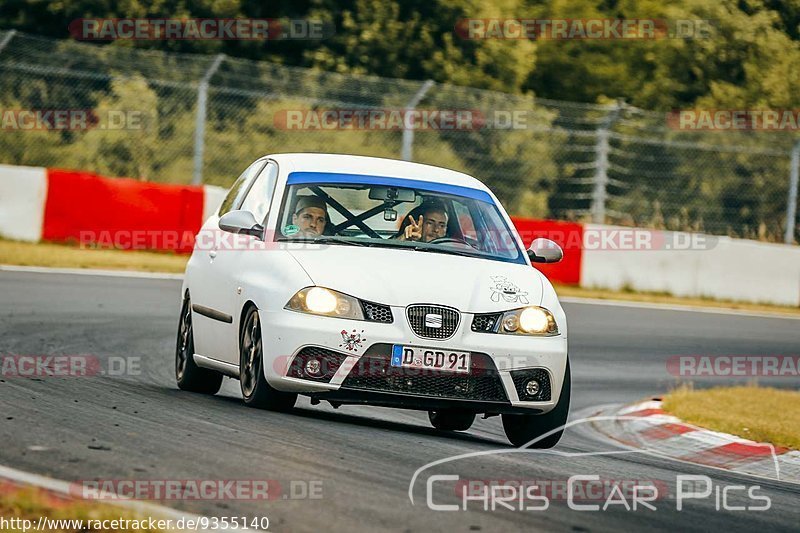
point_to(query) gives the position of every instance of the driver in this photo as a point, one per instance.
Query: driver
(310, 215)
(431, 223)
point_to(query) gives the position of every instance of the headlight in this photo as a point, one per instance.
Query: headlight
(322, 301)
(528, 321)
(535, 320)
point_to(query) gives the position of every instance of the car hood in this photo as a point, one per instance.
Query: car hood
(403, 277)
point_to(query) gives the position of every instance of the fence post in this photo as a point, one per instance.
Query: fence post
(200, 119)
(791, 202)
(408, 133)
(601, 164)
(7, 39)
(600, 177)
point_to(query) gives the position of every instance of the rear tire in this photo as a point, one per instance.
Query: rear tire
(256, 392)
(189, 376)
(521, 429)
(451, 419)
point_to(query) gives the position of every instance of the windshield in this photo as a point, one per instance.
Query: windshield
(421, 216)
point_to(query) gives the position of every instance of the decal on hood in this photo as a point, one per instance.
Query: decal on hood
(509, 292)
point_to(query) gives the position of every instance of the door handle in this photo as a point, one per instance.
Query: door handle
(212, 254)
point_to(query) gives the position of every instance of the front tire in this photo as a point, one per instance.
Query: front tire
(521, 429)
(189, 376)
(451, 419)
(256, 392)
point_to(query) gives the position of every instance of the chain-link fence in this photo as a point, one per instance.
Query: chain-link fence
(206, 117)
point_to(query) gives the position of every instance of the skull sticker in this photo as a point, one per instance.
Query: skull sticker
(352, 341)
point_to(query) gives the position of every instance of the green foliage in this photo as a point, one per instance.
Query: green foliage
(723, 183)
(751, 57)
(747, 59)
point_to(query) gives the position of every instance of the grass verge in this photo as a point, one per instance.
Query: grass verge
(761, 414)
(32, 504)
(67, 256)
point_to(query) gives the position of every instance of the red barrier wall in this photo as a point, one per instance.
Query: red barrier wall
(121, 212)
(568, 235)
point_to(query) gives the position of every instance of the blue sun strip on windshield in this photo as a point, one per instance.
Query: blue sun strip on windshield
(332, 178)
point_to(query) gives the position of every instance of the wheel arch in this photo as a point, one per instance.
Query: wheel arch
(249, 304)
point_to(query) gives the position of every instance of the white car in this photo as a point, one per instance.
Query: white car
(360, 280)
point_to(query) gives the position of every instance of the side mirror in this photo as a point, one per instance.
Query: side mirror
(241, 222)
(545, 251)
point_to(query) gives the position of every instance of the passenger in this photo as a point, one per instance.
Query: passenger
(431, 223)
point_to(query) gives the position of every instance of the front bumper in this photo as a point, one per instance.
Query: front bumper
(489, 387)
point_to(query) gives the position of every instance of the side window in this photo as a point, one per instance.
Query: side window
(465, 221)
(239, 187)
(259, 196)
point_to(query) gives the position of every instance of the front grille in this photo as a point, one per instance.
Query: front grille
(377, 312)
(485, 323)
(330, 362)
(448, 323)
(374, 372)
(521, 377)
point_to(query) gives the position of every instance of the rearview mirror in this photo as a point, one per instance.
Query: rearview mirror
(545, 251)
(389, 194)
(242, 222)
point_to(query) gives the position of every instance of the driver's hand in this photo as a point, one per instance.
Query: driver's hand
(413, 231)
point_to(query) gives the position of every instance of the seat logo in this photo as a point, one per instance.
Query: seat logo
(433, 320)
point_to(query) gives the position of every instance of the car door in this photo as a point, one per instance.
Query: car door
(212, 313)
(247, 254)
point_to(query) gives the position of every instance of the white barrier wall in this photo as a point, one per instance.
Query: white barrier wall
(686, 264)
(212, 198)
(23, 191)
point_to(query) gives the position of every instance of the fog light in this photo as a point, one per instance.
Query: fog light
(313, 367)
(532, 388)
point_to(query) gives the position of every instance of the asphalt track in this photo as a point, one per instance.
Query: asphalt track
(139, 426)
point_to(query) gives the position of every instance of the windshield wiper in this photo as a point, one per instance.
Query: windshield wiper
(327, 239)
(452, 251)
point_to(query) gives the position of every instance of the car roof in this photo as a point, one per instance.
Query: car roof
(375, 166)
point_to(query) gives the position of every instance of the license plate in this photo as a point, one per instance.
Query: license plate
(430, 358)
